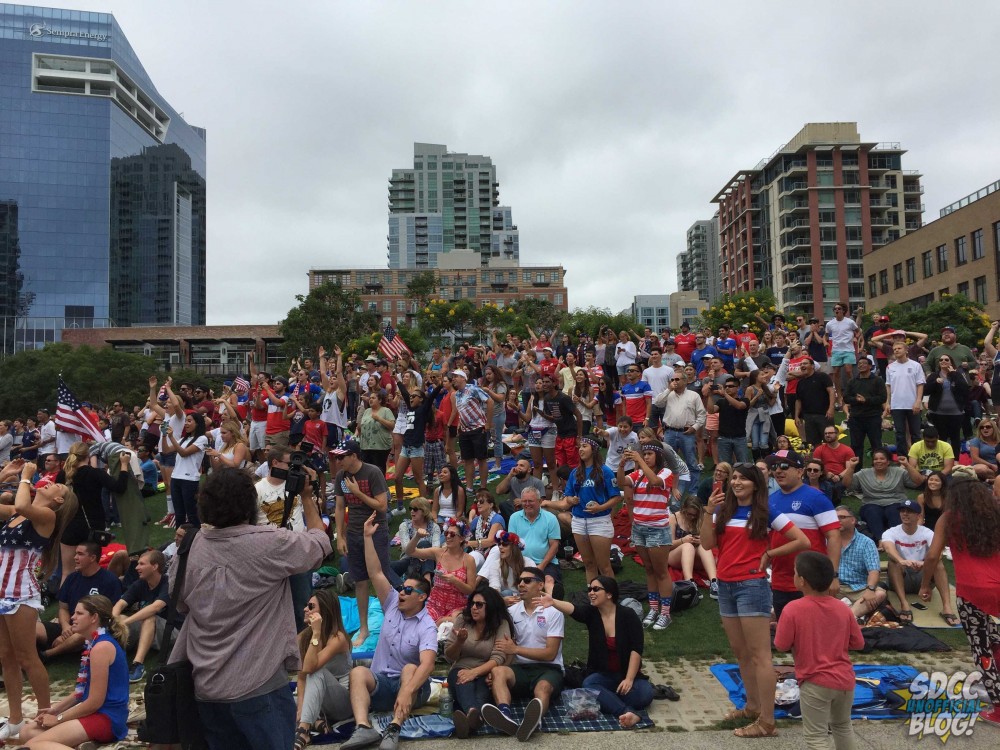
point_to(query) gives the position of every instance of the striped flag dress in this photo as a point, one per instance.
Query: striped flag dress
(21, 550)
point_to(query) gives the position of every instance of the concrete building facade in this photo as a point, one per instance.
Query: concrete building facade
(959, 253)
(803, 219)
(447, 201)
(698, 267)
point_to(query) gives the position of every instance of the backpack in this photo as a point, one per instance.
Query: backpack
(685, 596)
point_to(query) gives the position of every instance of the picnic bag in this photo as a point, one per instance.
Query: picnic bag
(685, 596)
(171, 711)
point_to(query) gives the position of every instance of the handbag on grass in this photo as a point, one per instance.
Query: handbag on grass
(171, 711)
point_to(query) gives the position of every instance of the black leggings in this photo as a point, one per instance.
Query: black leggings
(376, 458)
(949, 429)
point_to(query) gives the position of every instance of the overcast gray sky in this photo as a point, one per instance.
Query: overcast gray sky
(612, 124)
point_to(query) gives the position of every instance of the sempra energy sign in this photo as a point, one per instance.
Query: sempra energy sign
(39, 30)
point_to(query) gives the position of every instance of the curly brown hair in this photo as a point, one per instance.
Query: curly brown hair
(973, 518)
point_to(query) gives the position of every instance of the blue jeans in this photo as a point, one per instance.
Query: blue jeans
(757, 439)
(266, 722)
(730, 447)
(185, 496)
(606, 685)
(402, 566)
(879, 518)
(499, 420)
(685, 444)
(470, 695)
(903, 420)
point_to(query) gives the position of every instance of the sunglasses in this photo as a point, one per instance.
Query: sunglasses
(408, 590)
(595, 589)
(451, 534)
(783, 466)
(477, 605)
(529, 581)
(310, 605)
(843, 518)
(814, 470)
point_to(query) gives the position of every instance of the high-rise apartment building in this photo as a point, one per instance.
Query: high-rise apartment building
(802, 219)
(102, 184)
(698, 266)
(447, 201)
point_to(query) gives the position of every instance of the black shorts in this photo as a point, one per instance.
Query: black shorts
(473, 444)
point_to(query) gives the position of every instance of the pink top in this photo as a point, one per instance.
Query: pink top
(819, 630)
(445, 599)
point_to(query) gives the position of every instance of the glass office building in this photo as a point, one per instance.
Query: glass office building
(102, 184)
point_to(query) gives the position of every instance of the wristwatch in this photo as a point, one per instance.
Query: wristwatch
(59, 719)
(872, 588)
(314, 642)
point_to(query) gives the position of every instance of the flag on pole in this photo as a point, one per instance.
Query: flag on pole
(392, 344)
(241, 386)
(71, 417)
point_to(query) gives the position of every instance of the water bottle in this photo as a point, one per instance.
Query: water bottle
(445, 701)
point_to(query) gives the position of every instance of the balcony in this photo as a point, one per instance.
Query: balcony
(791, 187)
(913, 225)
(913, 189)
(796, 165)
(798, 279)
(790, 260)
(795, 224)
(499, 285)
(882, 221)
(373, 284)
(880, 185)
(797, 242)
(879, 203)
(799, 298)
(914, 208)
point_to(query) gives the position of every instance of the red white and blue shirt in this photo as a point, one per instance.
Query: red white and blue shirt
(739, 555)
(650, 505)
(637, 397)
(811, 511)
(471, 402)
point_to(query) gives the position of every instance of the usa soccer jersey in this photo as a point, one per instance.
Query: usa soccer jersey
(811, 511)
(739, 555)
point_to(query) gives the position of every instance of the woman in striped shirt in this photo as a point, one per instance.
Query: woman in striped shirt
(29, 537)
(647, 495)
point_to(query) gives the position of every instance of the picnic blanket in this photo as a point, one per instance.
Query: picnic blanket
(873, 690)
(428, 726)
(352, 623)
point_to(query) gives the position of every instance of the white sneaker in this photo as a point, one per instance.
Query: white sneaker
(650, 617)
(662, 622)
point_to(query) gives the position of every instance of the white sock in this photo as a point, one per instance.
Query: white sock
(170, 506)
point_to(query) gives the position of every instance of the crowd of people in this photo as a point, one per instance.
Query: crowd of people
(623, 420)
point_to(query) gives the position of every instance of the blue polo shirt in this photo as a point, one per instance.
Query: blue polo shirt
(535, 534)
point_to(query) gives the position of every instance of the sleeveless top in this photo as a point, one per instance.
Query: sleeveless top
(21, 549)
(445, 598)
(116, 699)
(446, 505)
(333, 412)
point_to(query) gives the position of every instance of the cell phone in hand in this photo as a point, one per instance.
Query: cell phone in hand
(716, 486)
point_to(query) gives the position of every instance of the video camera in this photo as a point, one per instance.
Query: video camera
(295, 475)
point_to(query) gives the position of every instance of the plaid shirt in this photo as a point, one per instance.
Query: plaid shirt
(857, 560)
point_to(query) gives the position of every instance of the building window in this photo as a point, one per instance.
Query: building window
(911, 271)
(942, 258)
(963, 288)
(557, 299)
(872, 287)
(927, 260)
(387, 306)
(961, 253)
(897, 276)
(977, 244)
(883, 281)
(980, 289)
(944, 293)
(401, 305)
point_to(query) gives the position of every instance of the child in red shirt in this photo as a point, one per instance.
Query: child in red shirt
(818, 629)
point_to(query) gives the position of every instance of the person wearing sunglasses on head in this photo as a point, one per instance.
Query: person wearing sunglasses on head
(454, 569)
(398, 679)
(472, 651)
(504, 565)
(614, 655)
(537, 670)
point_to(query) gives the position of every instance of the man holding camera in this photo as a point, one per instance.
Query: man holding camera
(271, 511)
(361, 489)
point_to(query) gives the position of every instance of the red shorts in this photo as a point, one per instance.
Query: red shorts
(567, 452)
(98, 727)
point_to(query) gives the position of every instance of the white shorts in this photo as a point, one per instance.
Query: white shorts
(257, 434)
(600, 526)
(400, 427)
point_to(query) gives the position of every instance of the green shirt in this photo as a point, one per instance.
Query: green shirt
(374, 436)
(959, 353)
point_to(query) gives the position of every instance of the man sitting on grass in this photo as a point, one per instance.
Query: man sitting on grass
(538, 662)
(906, 547)
(150, 596)
(404, 656)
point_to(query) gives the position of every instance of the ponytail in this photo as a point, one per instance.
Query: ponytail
(79, 455)
(101, 606)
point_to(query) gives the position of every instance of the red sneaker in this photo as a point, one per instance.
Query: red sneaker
(991, 715)
(167, 520)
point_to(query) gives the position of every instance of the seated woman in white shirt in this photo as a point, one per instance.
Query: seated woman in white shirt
(504, 564)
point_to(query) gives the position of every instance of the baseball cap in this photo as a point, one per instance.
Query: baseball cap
(371, 358)
(460, 372)
(347, 447)
(546, 348)
(883, 319)
(783, 456)
(911, 505)
(948, 328)
(282, 380)
(746, 325)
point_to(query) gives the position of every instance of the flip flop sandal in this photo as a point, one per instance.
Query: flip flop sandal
(302, 738)
(665, 692)
(905, 616)
(756, 731)
(951, 618)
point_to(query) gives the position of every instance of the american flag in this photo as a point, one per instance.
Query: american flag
(392, 344)
(241, 386)
(71, 417)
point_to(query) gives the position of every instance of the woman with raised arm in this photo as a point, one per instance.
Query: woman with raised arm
(29, 538)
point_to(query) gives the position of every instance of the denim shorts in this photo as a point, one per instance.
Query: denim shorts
(415, 452)
(650, 536)
(750, 598)
(386, 690)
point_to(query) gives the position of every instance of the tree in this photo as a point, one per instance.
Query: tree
(737, 309)
(970, 321)
(422, 288)
(328, 315)
(590, 320)
(29, 380)
(539, 314)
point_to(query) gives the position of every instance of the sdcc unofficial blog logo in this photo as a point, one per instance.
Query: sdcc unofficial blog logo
(942, 705)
